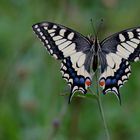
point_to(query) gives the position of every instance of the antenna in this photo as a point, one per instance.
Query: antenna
(99, 27)
(93, 27)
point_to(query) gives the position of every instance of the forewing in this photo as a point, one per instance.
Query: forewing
(126, 44)
(60, 41)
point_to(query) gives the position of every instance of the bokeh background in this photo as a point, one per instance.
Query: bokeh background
(31, 103)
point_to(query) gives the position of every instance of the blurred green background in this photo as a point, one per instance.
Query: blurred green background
(31, 105)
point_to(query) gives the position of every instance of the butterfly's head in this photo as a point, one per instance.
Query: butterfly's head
(91, 38)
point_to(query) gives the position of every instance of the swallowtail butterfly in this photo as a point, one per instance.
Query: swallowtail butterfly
(79, 55)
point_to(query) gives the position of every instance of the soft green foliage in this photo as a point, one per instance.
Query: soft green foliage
(31, 103)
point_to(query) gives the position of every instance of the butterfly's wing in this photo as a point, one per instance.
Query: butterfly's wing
(76, 71)
(72, 48)
(117, 51)
(60, 41)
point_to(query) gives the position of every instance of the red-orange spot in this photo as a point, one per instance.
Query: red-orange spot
(88, 82)
(102, 83)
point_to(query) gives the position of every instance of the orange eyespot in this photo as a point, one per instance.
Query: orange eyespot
(102, 83)
(88, 82)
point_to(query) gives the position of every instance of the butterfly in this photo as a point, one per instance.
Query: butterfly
(80, 56)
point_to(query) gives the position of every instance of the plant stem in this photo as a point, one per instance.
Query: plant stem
(101, 109)
(103, 117)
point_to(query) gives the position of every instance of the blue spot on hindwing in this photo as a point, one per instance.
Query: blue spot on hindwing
(82, 80)
(108, 82)
(121, 72)
(73, 74)
(68, 64)
(114, 81)
(70, 70)
(117, 76)
(123, 66)
(76, 80)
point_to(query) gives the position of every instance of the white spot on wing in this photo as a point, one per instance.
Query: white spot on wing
(58, 42)
(43, 37)
(121, 37)
(81, 71)
(64, 60)
(54, 26)
(128, 74)
(49, 46)
(36, 26)
(71, 35)
(64, 45)
(138, 30)
(126, 70)
(55, 56)
(66, 75)
(64, 68)
(57, 38)
(127, 63)
(46, 41)
(130, 34)
(134, 45)
(81, 89)
(51, 31)
(81, 60)
(45, 27)
(117, 60)
(51, 51)
(124, 77)
(69, 50)
(62, 31)
(75, 57)
(109, 71)
(137, 41)
(75, 88)
(52, 34)
(110, 61)
(128, 47)
(136, 59)
(62, 72)
(71, 80)
(123, 52)
(120, 83)
(115, 90)
(41, 33)
(38, 29)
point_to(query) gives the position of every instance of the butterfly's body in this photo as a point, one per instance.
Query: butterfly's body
(95, 51)
(79, 54)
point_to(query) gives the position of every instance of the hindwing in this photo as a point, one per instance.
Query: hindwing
(76, 71)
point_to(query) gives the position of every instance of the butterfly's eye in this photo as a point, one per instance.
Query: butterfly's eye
(102, 82)
(88, 82)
